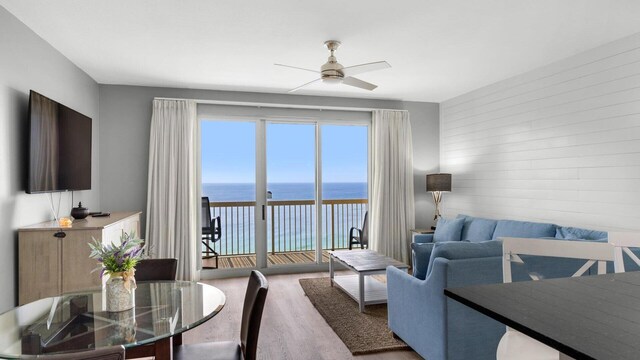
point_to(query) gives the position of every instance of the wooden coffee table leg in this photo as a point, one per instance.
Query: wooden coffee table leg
(331, 269)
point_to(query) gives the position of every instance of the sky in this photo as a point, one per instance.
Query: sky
(229, 148)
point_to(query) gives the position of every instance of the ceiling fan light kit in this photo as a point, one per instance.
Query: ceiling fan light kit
(332, 72)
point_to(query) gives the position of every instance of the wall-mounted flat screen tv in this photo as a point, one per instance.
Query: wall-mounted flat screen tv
(59, 147)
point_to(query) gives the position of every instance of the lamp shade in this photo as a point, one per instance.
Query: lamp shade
(439, 182)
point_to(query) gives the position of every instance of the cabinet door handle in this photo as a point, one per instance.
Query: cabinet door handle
(263, 211)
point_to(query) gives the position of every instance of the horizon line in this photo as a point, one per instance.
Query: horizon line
(294, 182)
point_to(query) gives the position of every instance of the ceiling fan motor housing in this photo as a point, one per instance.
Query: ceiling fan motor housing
(332, 72)
(332, 69)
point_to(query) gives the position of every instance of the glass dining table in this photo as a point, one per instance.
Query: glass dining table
(79, 321)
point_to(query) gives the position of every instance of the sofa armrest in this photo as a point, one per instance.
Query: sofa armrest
(416, 310)
(423, 238)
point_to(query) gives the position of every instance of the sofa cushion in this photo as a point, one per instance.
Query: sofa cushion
(448, 230)
(421, 255)
(477, 229)
(571, 233)
(523, 229)
(465, 250)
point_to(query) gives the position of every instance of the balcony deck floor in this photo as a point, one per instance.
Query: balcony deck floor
(249, 261)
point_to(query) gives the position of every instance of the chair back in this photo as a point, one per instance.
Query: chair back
(156, 269)
(364, 238)
(592, 252)
(252, 314)
(621, 242)
(205, 216)
(108, 353)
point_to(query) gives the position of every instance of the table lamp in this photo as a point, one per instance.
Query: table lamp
(436, 184)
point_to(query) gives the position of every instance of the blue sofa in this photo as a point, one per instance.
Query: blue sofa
(437, 327)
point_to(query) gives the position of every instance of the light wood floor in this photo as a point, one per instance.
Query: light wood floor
(291, 326)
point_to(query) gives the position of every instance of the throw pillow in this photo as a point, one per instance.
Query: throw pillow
(571, 233)
(477, 229)
(421, 257)
(448, 230)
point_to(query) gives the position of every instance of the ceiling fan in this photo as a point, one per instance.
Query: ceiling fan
(333, 72)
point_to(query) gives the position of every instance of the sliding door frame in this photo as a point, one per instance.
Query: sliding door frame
(260, 218)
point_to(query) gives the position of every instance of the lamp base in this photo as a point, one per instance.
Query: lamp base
(437, 199)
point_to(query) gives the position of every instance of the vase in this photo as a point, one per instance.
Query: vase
(124, 328)
(119, 298)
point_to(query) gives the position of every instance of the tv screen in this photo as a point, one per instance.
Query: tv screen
(60, 147)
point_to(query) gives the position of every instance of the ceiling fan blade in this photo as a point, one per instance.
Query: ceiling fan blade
(351, 81)
(299, 68)
(303, 85)
(363, 68)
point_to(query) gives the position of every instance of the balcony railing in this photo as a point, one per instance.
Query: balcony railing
(291, 225)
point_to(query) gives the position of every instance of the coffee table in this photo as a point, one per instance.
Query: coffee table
(363, 288)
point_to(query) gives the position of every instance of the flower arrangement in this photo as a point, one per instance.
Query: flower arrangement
(118, 259)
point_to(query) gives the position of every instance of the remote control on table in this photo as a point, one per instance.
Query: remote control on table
(102, 214)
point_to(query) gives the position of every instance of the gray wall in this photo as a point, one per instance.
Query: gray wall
(28, 62)
(560, 143)
(125, 112)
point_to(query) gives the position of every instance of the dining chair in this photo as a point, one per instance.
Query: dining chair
(515, 345)
(156, 269)
(360, 236)
(249, 329)
(108, 353)
(622, 242)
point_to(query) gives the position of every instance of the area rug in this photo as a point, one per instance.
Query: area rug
(362, 333)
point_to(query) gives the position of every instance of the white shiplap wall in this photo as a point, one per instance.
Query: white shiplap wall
(559, 144)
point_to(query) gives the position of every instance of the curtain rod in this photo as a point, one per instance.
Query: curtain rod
(276, 105)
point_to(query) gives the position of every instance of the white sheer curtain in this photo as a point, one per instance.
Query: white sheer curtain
(392, 211)
(172, 198)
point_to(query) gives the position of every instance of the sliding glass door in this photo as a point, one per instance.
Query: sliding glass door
(344, 183)
(286, 192)
(228, 171)
(291, 193)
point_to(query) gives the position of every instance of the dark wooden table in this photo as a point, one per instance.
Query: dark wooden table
(589, 317)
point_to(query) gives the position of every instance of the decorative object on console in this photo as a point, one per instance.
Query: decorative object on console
(118, 261)
(64, 222)
(436, 184)
(79, 212)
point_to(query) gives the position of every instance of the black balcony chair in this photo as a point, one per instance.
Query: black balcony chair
(249, 329)
(360, 236)
(211, 232)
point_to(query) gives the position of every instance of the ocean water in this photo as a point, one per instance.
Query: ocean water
(284, 191)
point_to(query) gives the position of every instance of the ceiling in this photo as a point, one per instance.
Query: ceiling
(437, 49)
